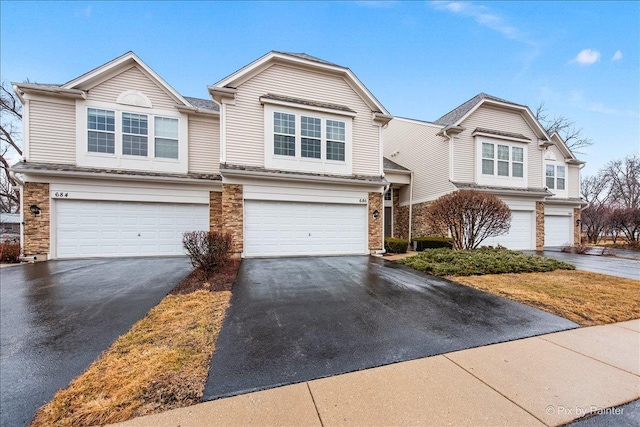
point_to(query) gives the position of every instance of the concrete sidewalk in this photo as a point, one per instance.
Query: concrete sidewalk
(547, 380)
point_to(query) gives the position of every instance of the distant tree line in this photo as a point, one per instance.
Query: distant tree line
(613, 195)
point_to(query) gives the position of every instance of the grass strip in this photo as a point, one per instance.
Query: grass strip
(583, 297)
(160, 364)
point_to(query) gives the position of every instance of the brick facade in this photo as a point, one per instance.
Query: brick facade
(232, 214)
(539, 226)
(375, 224)
(420, 222)
(215, 211)
(577, 228)
(37, 228)
(400, 217)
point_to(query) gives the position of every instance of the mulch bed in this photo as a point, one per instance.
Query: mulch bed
(220, 280)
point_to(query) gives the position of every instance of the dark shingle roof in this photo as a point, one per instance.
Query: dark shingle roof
(53, 167)
(391, 165)
(532, 191)
(502, 133)
(308, 57)
(307, 102)
(366, 178)
(457, 113)
(205, 104)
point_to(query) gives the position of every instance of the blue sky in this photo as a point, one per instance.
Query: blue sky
(420, 59)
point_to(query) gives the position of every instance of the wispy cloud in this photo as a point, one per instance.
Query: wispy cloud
(587, 57)
(578, 99)
(485, 17)
(617, 56)
(84, 12)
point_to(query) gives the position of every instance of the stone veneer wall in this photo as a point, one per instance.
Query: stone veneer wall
(539, 226)
(232, 214)
(577, 229)
(375, 224)
(419, 221)
(215, 211)
(36, 228)
(400, 217)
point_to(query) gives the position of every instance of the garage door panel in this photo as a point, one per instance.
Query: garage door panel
(100, 229)
(520, 233)
(558, 230)
(290, 228)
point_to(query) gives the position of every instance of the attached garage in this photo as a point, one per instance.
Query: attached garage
(520, 235)
(285, 228)
(91, 228)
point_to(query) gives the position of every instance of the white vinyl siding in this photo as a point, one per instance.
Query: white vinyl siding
(294, 229)
(132, 79)
(573, 176)
(245, 120)
(500, 120)
(204, 144)
(418, 148)
(52, 132)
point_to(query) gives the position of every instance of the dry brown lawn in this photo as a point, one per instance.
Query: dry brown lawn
(161, 363)
(583, 297)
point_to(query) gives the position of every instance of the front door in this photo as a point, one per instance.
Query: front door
(387, 221)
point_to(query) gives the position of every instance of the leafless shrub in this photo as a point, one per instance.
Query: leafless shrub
(10, 252)
(207, 249)
(470, 217)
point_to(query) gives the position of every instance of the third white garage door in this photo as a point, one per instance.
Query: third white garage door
(520, 235)
(292, 228)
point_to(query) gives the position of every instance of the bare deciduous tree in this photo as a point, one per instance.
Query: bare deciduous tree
(470, 216)
(10, 144)
(566, 128)
(623, 177)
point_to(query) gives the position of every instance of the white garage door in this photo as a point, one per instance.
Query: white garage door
(558, 230)
(520, 234)
(112, 229)
(290, 229)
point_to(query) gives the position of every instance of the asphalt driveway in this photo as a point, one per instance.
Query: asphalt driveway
(621, 267)
(58, 316)
(297, 319)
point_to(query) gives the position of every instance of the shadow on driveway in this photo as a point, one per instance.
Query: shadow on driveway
(297, 319)
(58, 316)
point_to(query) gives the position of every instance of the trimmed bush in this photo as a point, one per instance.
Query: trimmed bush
(395, 245)
(10, 252)
(447, 262)
(207, 249)
(432, 242)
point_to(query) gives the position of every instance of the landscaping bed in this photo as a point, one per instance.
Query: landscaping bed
(161, 363)
(583, 297)
(447, 262)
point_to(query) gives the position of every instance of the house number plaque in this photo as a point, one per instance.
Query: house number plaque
(61, 194)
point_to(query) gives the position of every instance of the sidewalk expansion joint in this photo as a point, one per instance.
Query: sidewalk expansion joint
(495, 389)
(314, 404)
(589, 357)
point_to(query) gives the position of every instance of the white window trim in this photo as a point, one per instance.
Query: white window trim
(495, 179)
(557, 193)
(306, 164)
(86, 158)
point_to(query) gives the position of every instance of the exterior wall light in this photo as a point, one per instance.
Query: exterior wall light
(376, 214)
(35, 210)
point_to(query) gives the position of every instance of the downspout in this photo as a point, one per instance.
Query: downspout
(410, 204)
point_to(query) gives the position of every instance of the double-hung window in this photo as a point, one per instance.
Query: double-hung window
(335, 140)
(101, 125)
(502, 160)
(555, 177)
(311, 141)
(284, 134)
(166, 138)
(134, 134)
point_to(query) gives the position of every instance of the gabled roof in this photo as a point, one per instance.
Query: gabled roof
(564, 149)
(205, 104)
(458, 114)
(391, 165)
(114, 67)
(302, 60)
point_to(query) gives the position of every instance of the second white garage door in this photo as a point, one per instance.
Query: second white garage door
(87, 228)
(291, 228)
(520, 234)
(558, 230)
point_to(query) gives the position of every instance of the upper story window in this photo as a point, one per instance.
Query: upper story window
(133, 136)
(284, 134)
(335, 140)
(101, 126)
(500, 162)
(311, 142)
(555, 177)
